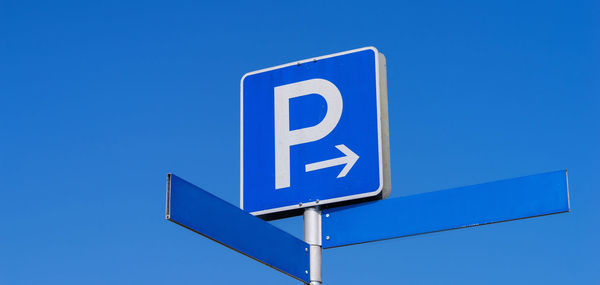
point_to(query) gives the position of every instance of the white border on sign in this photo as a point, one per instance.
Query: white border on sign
(302, 204)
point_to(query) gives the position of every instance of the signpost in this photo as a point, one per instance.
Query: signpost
(314, 140)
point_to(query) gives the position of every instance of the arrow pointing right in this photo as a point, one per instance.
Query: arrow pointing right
(349, 159)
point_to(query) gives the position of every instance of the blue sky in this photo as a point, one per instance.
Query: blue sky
(100, 99)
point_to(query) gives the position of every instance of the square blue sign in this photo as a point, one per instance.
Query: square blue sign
(314, 133)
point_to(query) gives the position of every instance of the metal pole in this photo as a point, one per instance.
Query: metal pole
(312, 236)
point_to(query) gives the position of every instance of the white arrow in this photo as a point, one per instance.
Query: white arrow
(349, 159)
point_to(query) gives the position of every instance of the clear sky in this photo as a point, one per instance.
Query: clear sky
(100, 99)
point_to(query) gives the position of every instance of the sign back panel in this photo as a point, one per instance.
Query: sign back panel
(314, 132)
(475, 205)
(214, 218)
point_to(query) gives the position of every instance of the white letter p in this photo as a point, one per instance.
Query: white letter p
(284, 138)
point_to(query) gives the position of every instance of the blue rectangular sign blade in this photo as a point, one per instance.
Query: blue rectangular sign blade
(475, 205)
(195, 209)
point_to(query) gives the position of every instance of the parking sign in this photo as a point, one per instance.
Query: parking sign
(314, 133)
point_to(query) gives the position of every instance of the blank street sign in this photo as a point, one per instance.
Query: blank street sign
(204, 213)
(481, 204)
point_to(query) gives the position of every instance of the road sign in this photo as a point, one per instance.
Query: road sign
(314, 138)
(204, 213)
(493, 202)
(313, 133)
